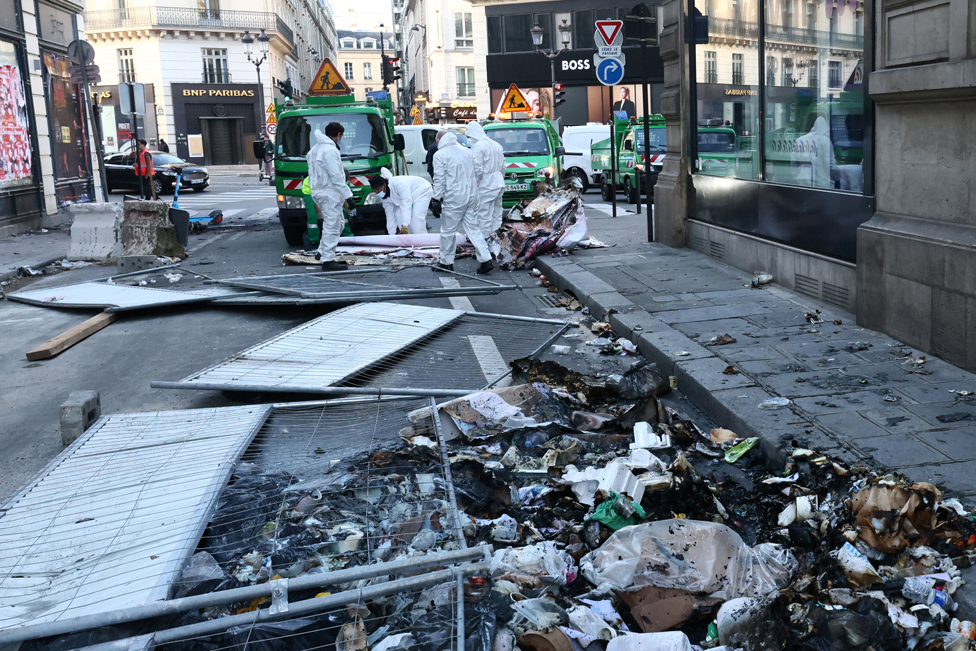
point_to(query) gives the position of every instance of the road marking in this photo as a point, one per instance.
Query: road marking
(489, 359)
(457, 302)
(207, 242)
(231, 213)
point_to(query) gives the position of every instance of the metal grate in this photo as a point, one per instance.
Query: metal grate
(115, 298)
(836, 296)
(806, 285)
(461, 350)
(716, 250)
(700, 244)
(113, 518)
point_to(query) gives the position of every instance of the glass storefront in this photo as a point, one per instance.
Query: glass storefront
(15, 147)
(69, 146)
(803, 64)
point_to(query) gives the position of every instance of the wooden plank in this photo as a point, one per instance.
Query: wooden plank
(70, 337)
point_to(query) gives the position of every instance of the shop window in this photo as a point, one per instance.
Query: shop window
(463, 32)
(737, 76)
(215, 66)
(494, 35)
(465, 82)
(348, 71)
(367, 71)
(517, 35)
(127, 66)
(711, 71)
(15, 146)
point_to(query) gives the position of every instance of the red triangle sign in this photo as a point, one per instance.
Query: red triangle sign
(609, 29)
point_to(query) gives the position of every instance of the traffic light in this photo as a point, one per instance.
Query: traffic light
(284, 85)
(558, 94)
(391, 69)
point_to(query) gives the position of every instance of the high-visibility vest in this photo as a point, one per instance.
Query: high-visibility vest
(141, 167)
(306, 188)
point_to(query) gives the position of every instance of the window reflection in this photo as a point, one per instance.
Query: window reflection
(811, 76)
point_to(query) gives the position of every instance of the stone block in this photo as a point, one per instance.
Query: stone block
(96, 231)
(849, 401)
(949, 326)
(896, 420)
(711, 313)
(870, 278)
(146, 230)
(957, 444)
(603, 302)
(849, 425)
(78, 412)
(908, 311)
(663, 345)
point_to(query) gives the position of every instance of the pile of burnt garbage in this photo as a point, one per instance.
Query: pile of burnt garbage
(619, 525)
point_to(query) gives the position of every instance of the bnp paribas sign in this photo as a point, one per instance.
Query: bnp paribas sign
(217, 92)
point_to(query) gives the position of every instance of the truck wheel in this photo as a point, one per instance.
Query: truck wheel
(581, 175)
(630, 191)
(605, 193)
(294, 235)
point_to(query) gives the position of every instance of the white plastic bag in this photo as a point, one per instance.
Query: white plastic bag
(688, 555)
(541, 560)
(674, 641)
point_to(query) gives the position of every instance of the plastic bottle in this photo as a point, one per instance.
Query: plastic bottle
(922, 590)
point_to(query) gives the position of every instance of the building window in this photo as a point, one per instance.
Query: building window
(811, 18)
(833, 74)
(813, 76)
(737, 69)
(770, 71)
(833, 22)
(348, 44)
(517, 35)
(368, 44)
(368, 90)
(787, 72)
(583, 38)
(367, 71)
(127, 66)
(463, 33)
(208, 8)
(859, 22)
(348, 70)
(494, 35)
(465, 82)
(215, 66)
(788, 14)
(711, 72)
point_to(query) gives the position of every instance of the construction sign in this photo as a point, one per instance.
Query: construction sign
(272, 119)
(415, 111)
(270, 109)
(514, 101)
(417, 120)
(328, 81)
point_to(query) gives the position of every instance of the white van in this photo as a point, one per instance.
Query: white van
(578, 140)
(417, 138)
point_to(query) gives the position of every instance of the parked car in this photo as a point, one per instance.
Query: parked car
(120, 173)
(578, 139)
(417, 138)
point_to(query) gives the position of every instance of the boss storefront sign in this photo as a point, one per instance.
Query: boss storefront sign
(575, 64)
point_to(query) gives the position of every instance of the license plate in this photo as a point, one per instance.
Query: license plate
(197, 181)
(519, 187)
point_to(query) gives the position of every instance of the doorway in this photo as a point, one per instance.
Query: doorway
(223, 140)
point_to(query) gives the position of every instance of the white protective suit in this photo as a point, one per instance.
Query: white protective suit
(327, 180)
(489, 169)
(457, 188)
(407, 204)
(815, 154)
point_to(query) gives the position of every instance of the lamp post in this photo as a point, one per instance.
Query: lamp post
(257, 60)
(565, 31)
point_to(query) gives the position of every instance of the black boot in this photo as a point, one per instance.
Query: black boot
(332, 265)
(485, 268)
(443, 267)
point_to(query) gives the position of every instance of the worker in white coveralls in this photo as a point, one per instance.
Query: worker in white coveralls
(489, 169)
(405, 201)
(327, 179)
(456, 187)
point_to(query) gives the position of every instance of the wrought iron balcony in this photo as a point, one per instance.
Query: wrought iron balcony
(781, 34)
(185, 17)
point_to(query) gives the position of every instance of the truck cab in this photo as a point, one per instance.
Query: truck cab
(533, 152)
(628, 147)
(368, 144)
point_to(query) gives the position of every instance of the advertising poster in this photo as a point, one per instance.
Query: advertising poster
(15, 149)
(69, 151)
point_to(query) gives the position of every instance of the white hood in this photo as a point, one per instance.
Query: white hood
(447, 140)
(474, 131)
(321, 138)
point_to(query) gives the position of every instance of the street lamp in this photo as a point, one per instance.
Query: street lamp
(565, 35)
(263, 41)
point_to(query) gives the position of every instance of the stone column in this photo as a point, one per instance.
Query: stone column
(673, 186)
(916, 258)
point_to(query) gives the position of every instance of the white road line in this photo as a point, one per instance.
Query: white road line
(208, 242)
(489, 359)
(457, 302)
(232, 212)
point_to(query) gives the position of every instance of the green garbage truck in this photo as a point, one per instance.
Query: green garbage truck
(628, 145)
(533, 152)
(368, 145)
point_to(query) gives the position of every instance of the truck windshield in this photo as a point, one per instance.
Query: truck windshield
(658, 138)
(520, 141)
(716, 141)
(363, 137)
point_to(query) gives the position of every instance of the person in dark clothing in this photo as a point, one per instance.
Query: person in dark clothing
(430, 157)
(144, 170)
(625, 104)
(163, 147)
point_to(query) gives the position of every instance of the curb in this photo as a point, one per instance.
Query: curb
(7, 275)
(728, 400)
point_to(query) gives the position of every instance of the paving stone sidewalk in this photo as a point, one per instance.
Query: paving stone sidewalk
(35, 249)
(854, 392)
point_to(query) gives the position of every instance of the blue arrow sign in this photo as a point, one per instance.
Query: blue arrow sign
(610, 72)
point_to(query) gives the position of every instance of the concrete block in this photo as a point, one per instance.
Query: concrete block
(78, 412)
(146, 230)
(96, 231)
(662, 346)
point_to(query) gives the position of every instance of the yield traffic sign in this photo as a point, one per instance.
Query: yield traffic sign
(610, 31)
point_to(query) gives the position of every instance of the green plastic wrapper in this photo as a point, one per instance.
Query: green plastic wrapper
(607, 514)
(736, 451)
